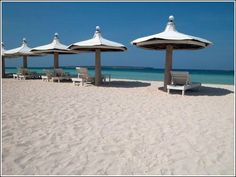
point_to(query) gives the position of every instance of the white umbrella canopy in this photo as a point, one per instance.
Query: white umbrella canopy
(98, 44)
(168, 40)
(55, 48)
(23, 50)
(20, 51)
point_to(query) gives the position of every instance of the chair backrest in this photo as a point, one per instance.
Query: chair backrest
(59, 72)
(82, 71)
(24, 71)
(49, 72)
(180, 78)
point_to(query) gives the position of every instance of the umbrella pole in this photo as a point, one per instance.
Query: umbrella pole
(25, 61)
(168, 66)
(98, 67)
(3, 66)
(56, 61)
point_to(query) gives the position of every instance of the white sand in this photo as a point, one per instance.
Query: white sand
(125, 129)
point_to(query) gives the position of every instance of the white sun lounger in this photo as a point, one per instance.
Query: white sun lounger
(86, 78)
(15, 76)
(55, 75)
(181, 81)
(76, 81)
(25, 73)
(84, 75)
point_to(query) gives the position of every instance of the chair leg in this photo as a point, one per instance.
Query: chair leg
(75, 83)
(182, 92)
(168, 91)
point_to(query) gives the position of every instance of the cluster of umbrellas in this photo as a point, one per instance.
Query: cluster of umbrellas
(168, 40)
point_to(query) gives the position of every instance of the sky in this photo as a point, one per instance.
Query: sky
(121, 22)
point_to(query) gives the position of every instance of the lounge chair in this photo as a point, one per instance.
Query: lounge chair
(25, 73)
(60, 75)
(181, 81)
(48, 75)
(84, 75)
(55, 75)
(77, 80)
(15, 76)
(86, 78)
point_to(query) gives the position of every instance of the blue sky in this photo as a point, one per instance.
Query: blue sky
(122, 22)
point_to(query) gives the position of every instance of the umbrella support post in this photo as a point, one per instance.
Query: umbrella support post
(168, 66)
(98, 67)
(56, 60)
(3, 67)
(25, 61)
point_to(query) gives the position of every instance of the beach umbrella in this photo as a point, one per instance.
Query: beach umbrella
(170, 39)
(98, 44)
(3, 58)
(55, 48)
(22, 51)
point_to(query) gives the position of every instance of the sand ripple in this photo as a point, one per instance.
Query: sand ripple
(61, 129)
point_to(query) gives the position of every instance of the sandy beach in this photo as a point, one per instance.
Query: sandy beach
(125, 128)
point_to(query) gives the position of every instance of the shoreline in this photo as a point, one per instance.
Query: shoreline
(126, 128)
(129, 67)
(150, 74)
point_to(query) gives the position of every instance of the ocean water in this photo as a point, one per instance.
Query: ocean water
(149, 74)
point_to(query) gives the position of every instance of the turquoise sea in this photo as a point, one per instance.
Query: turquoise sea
(148, 74)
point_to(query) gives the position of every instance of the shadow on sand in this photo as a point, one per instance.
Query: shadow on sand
(203, 91)
(126, 84)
